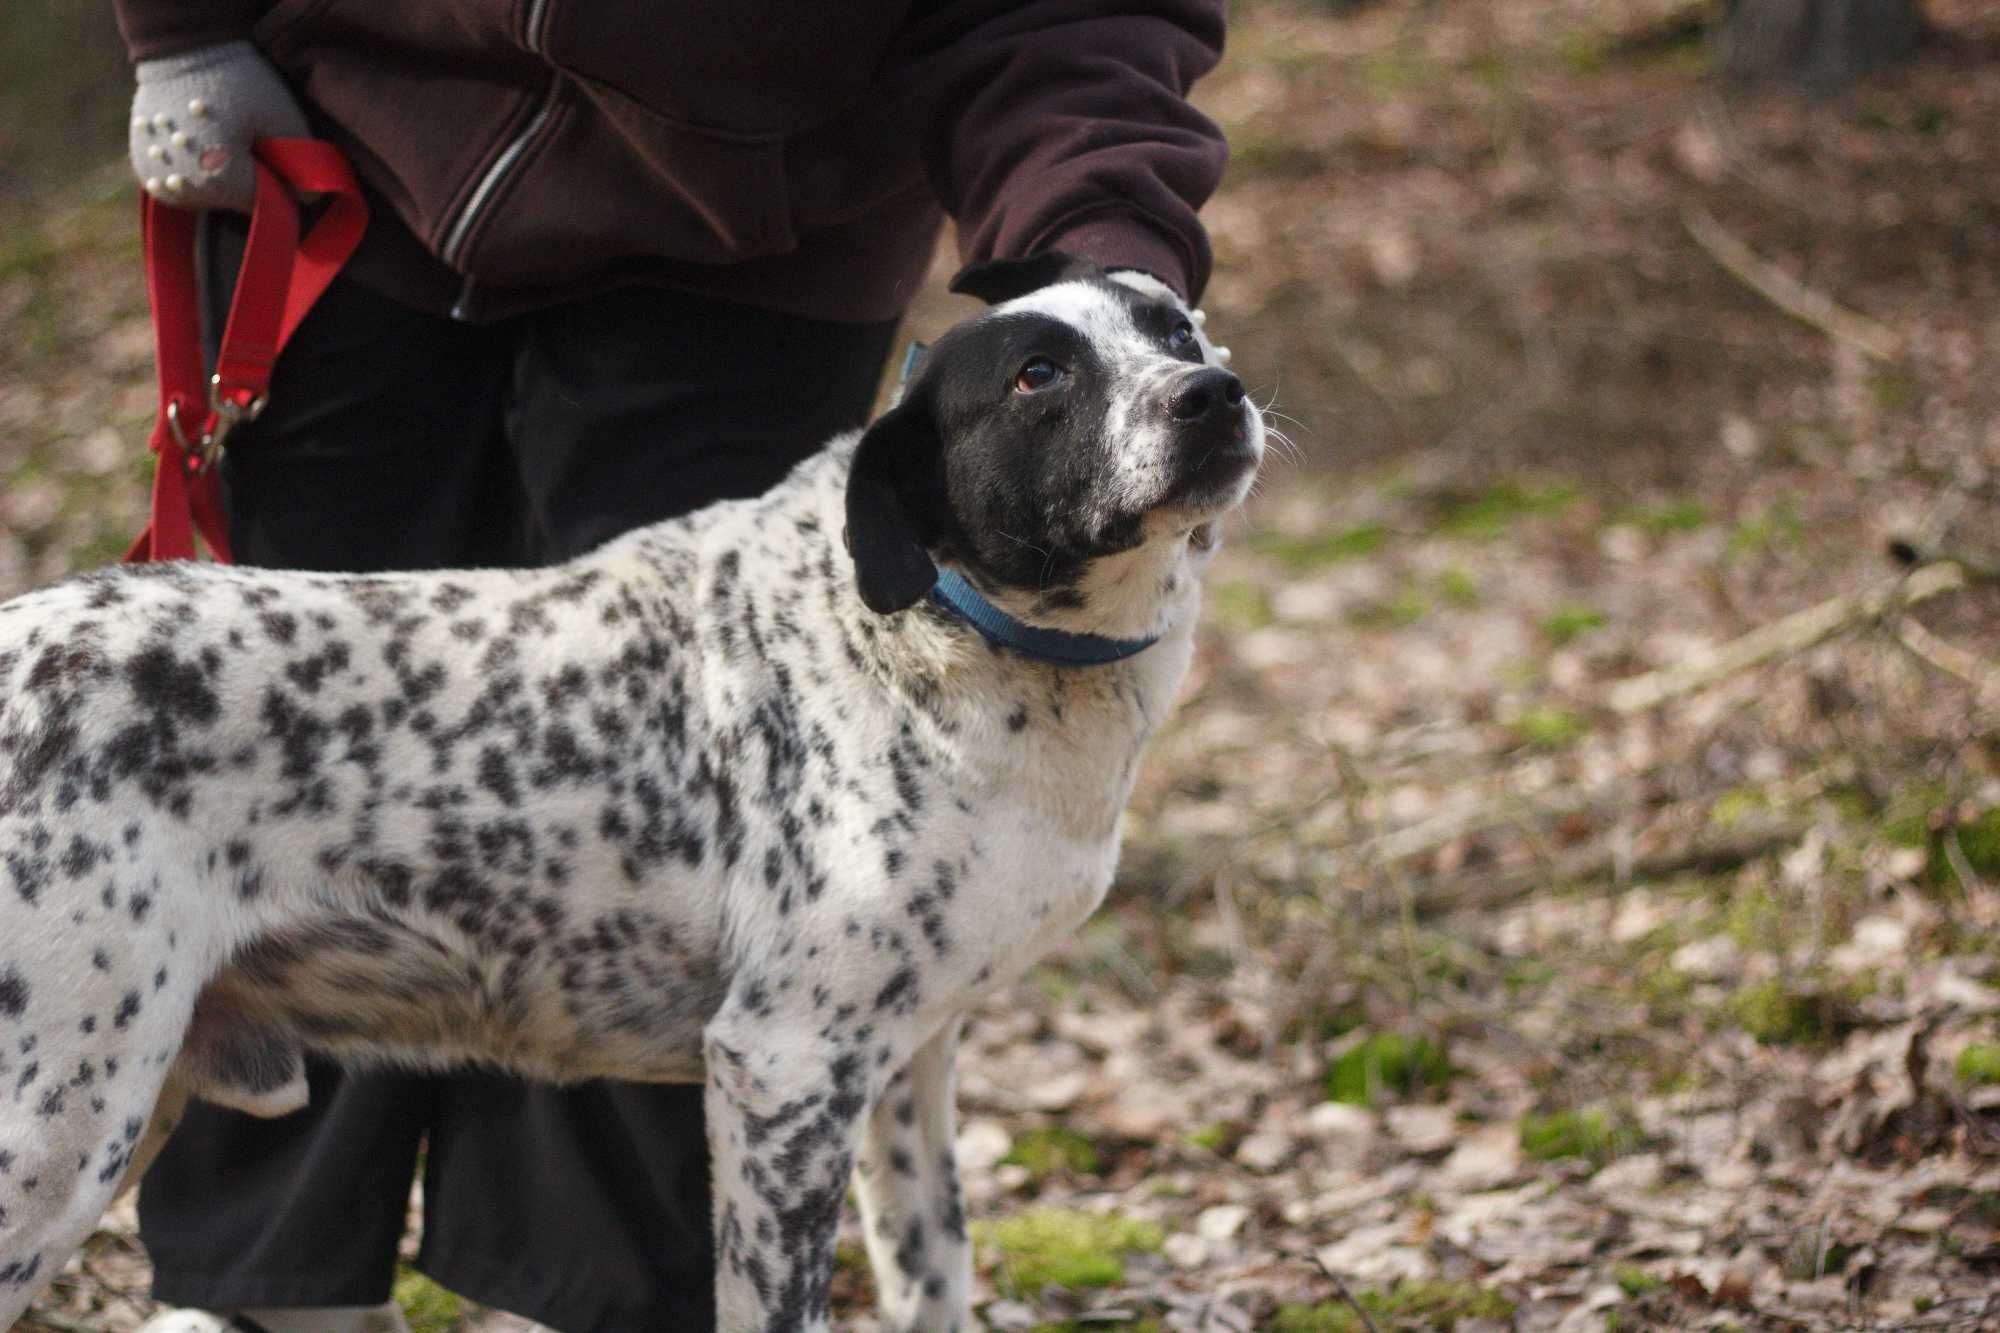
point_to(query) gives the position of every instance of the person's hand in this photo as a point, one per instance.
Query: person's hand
(1138, 280)
(194, 117)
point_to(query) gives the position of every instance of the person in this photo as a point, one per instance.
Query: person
(625, 260)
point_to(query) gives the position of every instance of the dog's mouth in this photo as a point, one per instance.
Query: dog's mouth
(1216, 471)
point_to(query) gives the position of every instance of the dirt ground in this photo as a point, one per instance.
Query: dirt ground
(1503, 939)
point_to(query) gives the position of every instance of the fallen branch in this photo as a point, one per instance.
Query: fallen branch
(1781, 638)
(1427, 835)
(1488, 888)
(1935, 650)
(1787, 293)
(1978, 565)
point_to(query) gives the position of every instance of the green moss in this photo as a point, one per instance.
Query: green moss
(1217, 1137)
(1912, 815)
(1756, 920)
(1892, 389)
(1671, 516)
(1303, 554)
(1778, 1014)
(1490, 69)
(1325, 1317)
(1240, 604)
(1527, 974)
(1388, 1067)
(1045, 1152)
(1777, 527)
(1591, 1134)
(1924, 816)
(1548, 728)
(1458, 587)
(1635, 1281)
(1405, 608)
(1409, 1304)
(1059, 1246)
(1665, 989)
(1738, 805)
(1569, 622)
(428, 1307)
(1850, 802)
(1979, 839)
(1054, 983)
(1979, 1063)
(1581, 53)
(1390, 71)
(1487, 514)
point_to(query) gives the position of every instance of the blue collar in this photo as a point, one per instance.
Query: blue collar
(1054, 646)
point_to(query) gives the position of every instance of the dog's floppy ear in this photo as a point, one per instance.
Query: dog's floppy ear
(997, 280)
(885, 529)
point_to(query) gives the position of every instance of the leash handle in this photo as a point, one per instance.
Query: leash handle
(281, 276)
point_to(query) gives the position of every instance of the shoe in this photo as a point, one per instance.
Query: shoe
(384, 1318)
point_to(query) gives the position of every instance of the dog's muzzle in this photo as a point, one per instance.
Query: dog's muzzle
(1211, 432)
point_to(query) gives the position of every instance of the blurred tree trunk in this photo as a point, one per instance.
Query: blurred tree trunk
(1820, 43)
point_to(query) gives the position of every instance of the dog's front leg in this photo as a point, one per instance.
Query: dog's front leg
(911, 1210)
(782, 1120)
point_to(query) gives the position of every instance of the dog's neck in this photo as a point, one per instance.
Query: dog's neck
(1141, 594)
(1150, 592)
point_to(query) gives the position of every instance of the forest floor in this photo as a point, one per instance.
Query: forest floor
(1490, 951)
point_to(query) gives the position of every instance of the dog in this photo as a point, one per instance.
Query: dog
(762, 798)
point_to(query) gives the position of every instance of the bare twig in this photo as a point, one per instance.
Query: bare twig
(1491, 888)
(1781, 638)
(1340, 1285)
(1430, 834)
(1979, 567)
(1983, 676)
(1786, 292)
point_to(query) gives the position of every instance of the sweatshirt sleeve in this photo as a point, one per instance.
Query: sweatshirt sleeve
(1064, 125)
(154, 28)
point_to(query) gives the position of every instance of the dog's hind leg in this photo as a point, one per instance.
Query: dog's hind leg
(79, 1088)
(160, 1126)
(60, 1169)
(912, 1213)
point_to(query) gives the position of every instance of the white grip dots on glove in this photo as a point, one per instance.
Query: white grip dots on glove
(194, 117)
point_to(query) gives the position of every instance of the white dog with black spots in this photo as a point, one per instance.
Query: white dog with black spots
(746, 799)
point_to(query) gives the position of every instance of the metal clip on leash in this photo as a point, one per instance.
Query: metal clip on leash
(225, 412)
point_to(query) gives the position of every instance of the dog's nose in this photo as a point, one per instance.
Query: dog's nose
(1206, 391)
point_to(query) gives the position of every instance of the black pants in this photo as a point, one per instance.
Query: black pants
(396, 440)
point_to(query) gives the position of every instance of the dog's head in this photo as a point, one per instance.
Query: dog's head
(1075, 426)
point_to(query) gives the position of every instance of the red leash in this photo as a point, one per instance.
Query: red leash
(282, 274)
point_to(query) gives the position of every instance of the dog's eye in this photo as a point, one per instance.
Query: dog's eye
(1037, 375)
(1181, 338)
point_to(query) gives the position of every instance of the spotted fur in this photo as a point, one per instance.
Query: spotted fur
(685, 809)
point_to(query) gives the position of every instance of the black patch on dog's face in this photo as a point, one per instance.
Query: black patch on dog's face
(1033, 441)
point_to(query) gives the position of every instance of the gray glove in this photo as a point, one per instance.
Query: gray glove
(194, 117)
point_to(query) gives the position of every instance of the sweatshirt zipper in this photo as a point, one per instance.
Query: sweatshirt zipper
(473, 210)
